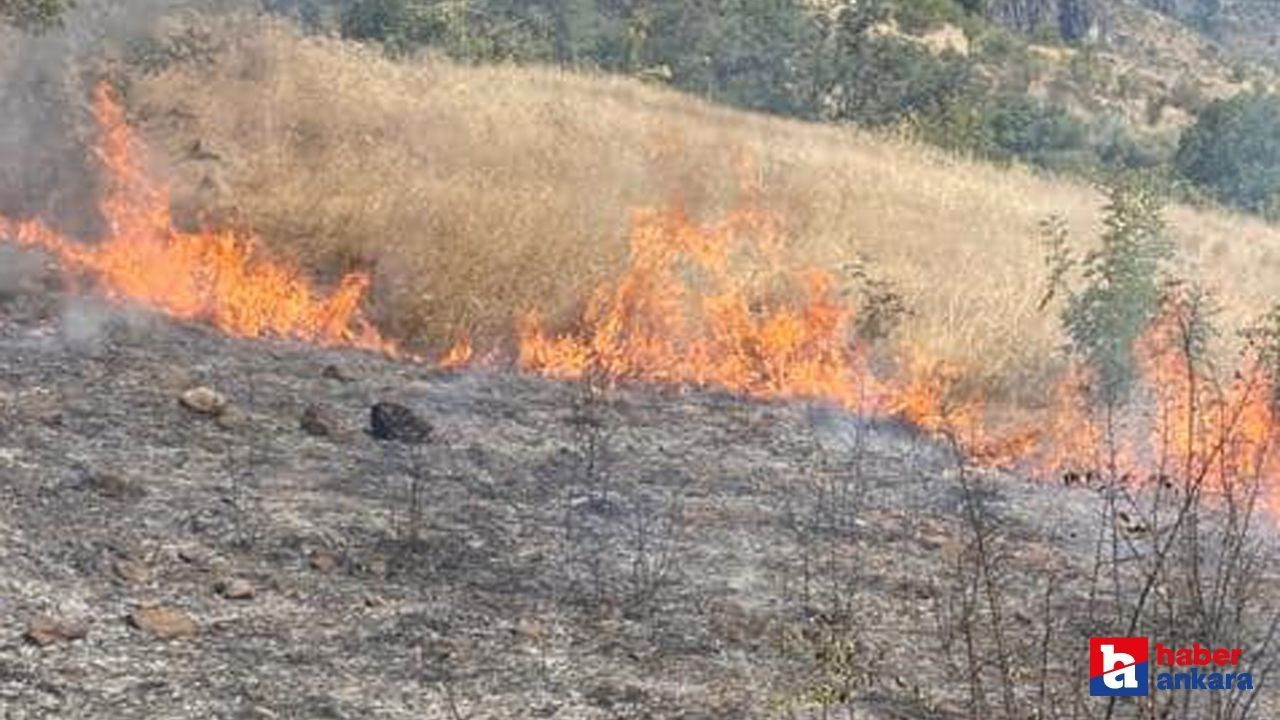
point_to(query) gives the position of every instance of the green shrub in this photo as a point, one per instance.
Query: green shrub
(1022, 127)
(920, 16)
(1188, 94)
(1233, 150)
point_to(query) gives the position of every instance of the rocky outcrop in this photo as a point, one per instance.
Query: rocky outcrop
(1073, 20)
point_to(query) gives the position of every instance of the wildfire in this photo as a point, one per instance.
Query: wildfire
(701, 304)
(221, 277)
(709, 305)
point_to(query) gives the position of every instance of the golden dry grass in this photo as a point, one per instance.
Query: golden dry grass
(482, 192)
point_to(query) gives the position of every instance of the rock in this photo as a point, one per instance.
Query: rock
(165, 623)
(323, 562)
(318, 421)
(231, 419)
(204, 401)
(113, 486)
(333, 372)
(237, 589)
(529, 629)
(393, 422)
(132, 572)
(1074, 20)
(45, 630)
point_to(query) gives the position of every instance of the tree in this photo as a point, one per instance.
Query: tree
(1123, 285)
(748, 53)
(33, 15)
(1233, 150)
(877, 80)
(1023, 127)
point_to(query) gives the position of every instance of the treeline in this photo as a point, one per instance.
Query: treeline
(777, 56)
(839, 65)
(830, 62)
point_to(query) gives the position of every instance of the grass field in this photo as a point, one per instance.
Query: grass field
(480, 192)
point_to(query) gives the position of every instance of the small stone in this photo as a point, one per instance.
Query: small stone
(318, 421)
(374, 601)
(204, 401)
(230, 419)
(45, 630)
(237, 589)
(165, 623)
(323, 562)
(132, 572)
(529, 629)
(333, 372)
(396, 423)
(113, 486)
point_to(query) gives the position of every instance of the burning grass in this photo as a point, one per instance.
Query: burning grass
(512, 227)
(480, 194)
(215, 276)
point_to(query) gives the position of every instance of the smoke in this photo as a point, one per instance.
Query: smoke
(89, 326)
(46, 126)
(20, 272)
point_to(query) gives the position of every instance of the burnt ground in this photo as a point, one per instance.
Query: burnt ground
(551, 552)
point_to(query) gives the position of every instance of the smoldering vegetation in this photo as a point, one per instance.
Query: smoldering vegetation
(46, 167)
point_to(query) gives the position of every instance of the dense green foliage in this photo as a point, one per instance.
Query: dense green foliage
(1234, 151)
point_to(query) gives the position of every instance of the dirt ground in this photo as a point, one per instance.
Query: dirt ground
(553, 551)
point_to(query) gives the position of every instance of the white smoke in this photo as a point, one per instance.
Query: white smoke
(46, 128)
(20, 271)
(89, 324)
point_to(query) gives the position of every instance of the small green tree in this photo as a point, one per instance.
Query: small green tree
(1233, 150)
(1123, 286)
(34, 15)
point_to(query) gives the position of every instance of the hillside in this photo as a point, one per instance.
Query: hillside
(347, 379)
(553, 551)
(1245, 28)
(473, 211)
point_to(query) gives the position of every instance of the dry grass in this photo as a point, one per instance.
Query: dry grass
(481, 192)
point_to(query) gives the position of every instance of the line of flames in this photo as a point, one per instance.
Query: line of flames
(217, 276)
(700, 304)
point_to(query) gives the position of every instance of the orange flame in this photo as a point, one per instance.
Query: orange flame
(457, 356)
(707, 305)
(215, 276)
(703, 304)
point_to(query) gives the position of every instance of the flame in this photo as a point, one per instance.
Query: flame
(217, 276)
(459, 355)
(708, 304)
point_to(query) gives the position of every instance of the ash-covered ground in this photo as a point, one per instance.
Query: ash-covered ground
(551, 551)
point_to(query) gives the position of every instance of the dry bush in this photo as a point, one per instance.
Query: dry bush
(479, 193)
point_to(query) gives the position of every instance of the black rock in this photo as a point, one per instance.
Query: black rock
(334, 372)
(396, 423)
